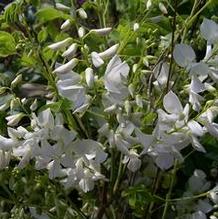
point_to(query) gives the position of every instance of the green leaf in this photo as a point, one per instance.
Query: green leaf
(7, 44)
(49, 14)
(42, 36)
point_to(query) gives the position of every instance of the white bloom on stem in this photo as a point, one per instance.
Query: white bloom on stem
(97, 58)
(115, 77)
(102, 31)
(134, 163)
(66, 25)
(71, 50)
(184, 55)
(61, 44)
(66, 67)
(209, 31)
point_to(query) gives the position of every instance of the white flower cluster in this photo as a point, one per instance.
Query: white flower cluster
(53, 147)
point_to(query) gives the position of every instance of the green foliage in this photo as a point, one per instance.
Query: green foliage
(7, 44)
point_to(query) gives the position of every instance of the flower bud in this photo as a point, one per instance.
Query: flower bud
(104, 130)
(82, 13)
(13, 120)
(89, 77)
(135, 27)
(96, 59)
(213, 195)
(109, 52)
(110, 109)
(163, 8)
(70, 52)
(60, 44)
(66, 67)
(5, 106)
(127, 107)
(139, 101)
(134, 68)
(102, 31)
(66, 25)
(16, 81)
(4, 158)
(62, 7)
(34, 105)
(15, 102)
(148, 4)
(81, 32)
(3, 90)
(131, 89)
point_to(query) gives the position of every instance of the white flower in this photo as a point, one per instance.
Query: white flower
(209, 31)
(172, 103)
(161, 72)
(60, 45)
(116, 76)
(184, 55)
(134, 163)
(97, 58)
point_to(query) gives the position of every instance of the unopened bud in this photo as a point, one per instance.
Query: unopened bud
(82, 13)
(127, 107)
(102, 31)
(34, 105)
(13, 120)
(16, 81)
(81, 32)
(131, 90)
(139, 101)
(70, 52)
(136, 26)
(163, 8)
(66, 25)
(60, 44)
(134, 68)
(148, 4)
(89, 77)
(66, 67)
(109, 52)
(62, 7)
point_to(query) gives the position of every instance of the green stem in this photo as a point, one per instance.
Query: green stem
(170, 190)
(118, 175)
(172, 48)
